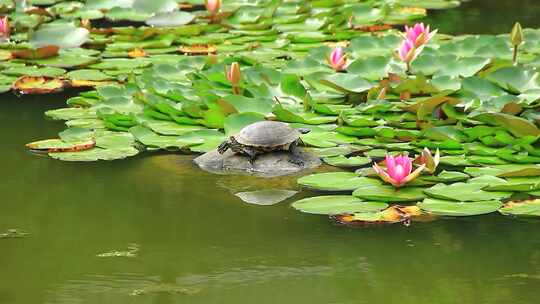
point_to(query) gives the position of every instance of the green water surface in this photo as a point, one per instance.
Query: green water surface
(198, 243)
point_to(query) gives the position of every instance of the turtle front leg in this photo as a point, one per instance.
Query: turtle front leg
(252, 156)
(226, 145)
(296, 157)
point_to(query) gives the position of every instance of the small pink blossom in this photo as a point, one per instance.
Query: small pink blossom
(398, 170)
(4, 28)
(407, 51)
(213, 6)
(233, 73)
(338, 59)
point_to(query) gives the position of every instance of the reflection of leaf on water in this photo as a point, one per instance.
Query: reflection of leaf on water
(13, 233)
(265, 197)
(132, 252)
(165, 288)
(523, 276)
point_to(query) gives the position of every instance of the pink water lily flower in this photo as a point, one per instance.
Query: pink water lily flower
(398, 170)
(4, 28)
(213, 6)
(419, 34)
(338, 59)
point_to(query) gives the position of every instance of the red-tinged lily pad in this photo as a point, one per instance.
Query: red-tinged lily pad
(39, 85)
(39, 53)
(58, 145)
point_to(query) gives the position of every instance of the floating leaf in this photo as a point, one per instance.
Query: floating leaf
(39, 85)
(336, 204)
(521, 208)
(96, 154)
(459, 208)
(58, 145)
(347, 162)
(465, 192)
(39, 53)
(385, 193)
(153, 140)
(335, 181)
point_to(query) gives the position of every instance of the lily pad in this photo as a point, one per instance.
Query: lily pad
(337, 204)
(96, 154)
(347, 162)
(39, 85)
(335, 181)
(465, 192)
(523, 208)
(459, 208)
(386, 193)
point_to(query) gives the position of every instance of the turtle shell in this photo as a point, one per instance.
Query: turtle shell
(267, 134)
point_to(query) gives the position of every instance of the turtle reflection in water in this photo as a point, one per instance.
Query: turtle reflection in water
(265, 137)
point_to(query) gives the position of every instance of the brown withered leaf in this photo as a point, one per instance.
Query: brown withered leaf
(38, 11)
(390, 215)
(185, 6)
(373, 28)
(200, 49)
(332, 44)
(39, 53)
(39, 85)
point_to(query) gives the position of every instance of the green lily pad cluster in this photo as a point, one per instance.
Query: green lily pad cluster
(463, 95)
(455, 194)
(108, 40)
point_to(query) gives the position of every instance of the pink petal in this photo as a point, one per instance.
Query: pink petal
(390, 164)
(336, 55)
(399, 173)
(384, 176)
(404, 50)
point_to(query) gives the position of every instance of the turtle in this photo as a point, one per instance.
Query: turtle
(265, 137)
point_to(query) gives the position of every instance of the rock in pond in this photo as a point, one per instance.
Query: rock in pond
(267, 165)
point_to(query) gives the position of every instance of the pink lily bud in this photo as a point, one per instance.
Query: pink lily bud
(4, 28)
(419, 34)
(338, 59)
(233, 74)
(213, 6)
(407, 51)
(398, 170)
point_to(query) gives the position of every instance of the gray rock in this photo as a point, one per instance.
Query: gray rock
(267, 165)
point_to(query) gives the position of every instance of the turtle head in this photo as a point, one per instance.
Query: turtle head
(224, 147)
(304, 130)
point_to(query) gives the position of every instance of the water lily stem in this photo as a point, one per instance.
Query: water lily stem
(514, 58)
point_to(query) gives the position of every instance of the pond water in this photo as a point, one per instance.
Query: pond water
(198, 243)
